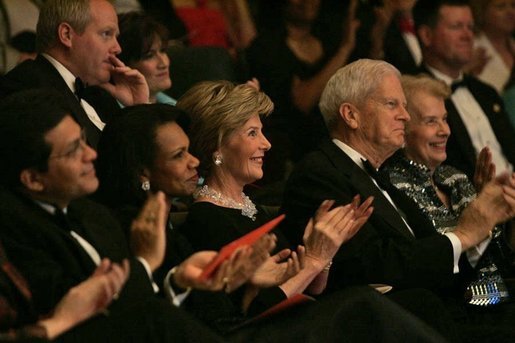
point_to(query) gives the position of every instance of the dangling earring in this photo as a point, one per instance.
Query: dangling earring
(218, 159)
(145, 185)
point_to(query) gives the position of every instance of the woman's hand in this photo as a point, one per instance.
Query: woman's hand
(485, 169)
(231, 274)
(279, 268)
(254, 83)
(478, 61)
(329, 229)
(350, 26)
(148, 239)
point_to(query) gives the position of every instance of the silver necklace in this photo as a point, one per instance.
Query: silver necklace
(247, 207)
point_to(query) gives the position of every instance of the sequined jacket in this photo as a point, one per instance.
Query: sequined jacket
(415, 181)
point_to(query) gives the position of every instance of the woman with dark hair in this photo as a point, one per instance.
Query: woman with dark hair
(494, 41)
(144, 42)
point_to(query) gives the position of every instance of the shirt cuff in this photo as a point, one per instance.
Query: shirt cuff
(175, 298)
(149, 273)
(457, 250)
(475, 253)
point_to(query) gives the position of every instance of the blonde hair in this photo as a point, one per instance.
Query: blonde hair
(423, 83)
(217, 109)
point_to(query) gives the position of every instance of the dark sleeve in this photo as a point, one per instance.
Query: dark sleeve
(25, 334)
(265, 299)
(378, 253)
(103, 102)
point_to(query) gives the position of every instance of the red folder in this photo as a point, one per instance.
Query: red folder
(248, 239)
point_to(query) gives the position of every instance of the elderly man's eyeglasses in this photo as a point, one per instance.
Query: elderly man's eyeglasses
(75, 150)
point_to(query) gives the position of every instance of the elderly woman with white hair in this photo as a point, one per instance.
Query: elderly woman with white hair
(442, 192)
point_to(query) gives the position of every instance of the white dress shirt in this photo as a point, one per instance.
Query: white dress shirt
(476, 123)
(496, 73)
(69, 78)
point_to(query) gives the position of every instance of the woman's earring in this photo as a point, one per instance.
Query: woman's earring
(218, 159)
(145, 185)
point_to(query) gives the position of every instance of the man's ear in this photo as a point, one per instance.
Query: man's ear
(425, 35)
(31, 180)
(65, 34)
(350, 115)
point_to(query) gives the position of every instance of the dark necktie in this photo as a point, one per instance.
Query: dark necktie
(406, 25)
(62, 219)
(381, 180)
(79, 88)
(458, 83)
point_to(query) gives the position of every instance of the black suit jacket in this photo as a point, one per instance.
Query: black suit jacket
(383, 251)
(51, 259)
(460, 151)
(40, 73)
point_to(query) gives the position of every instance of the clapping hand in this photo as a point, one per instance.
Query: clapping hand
(330, 228)
(148, 239)
(231, 274)
(279, 268)
(87, 298)
(485, 168)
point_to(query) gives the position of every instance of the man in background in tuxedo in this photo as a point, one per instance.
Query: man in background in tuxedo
(476, 113)
(76, 41)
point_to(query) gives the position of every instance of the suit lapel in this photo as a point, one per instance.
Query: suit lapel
(57, 82)
(365, 187)
(48, 221)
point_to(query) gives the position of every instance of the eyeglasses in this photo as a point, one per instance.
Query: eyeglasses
(75, 150)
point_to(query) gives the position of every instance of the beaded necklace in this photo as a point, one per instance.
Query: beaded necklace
(247, 207)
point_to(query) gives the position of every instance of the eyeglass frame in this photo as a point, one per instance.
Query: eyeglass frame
(75, 150)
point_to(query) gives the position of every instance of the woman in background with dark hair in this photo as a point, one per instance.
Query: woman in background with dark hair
(144, 42)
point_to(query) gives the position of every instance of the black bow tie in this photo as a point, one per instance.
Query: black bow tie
(459, 83)
(381, 180)
(79, 88)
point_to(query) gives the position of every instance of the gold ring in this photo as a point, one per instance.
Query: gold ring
(116, 296)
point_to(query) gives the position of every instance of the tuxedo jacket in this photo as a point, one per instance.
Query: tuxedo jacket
(384, 250)
(396, 50)
(40, 73)
(460, 151)
(51, 259)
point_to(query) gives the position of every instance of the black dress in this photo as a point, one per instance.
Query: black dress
(210, 227)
